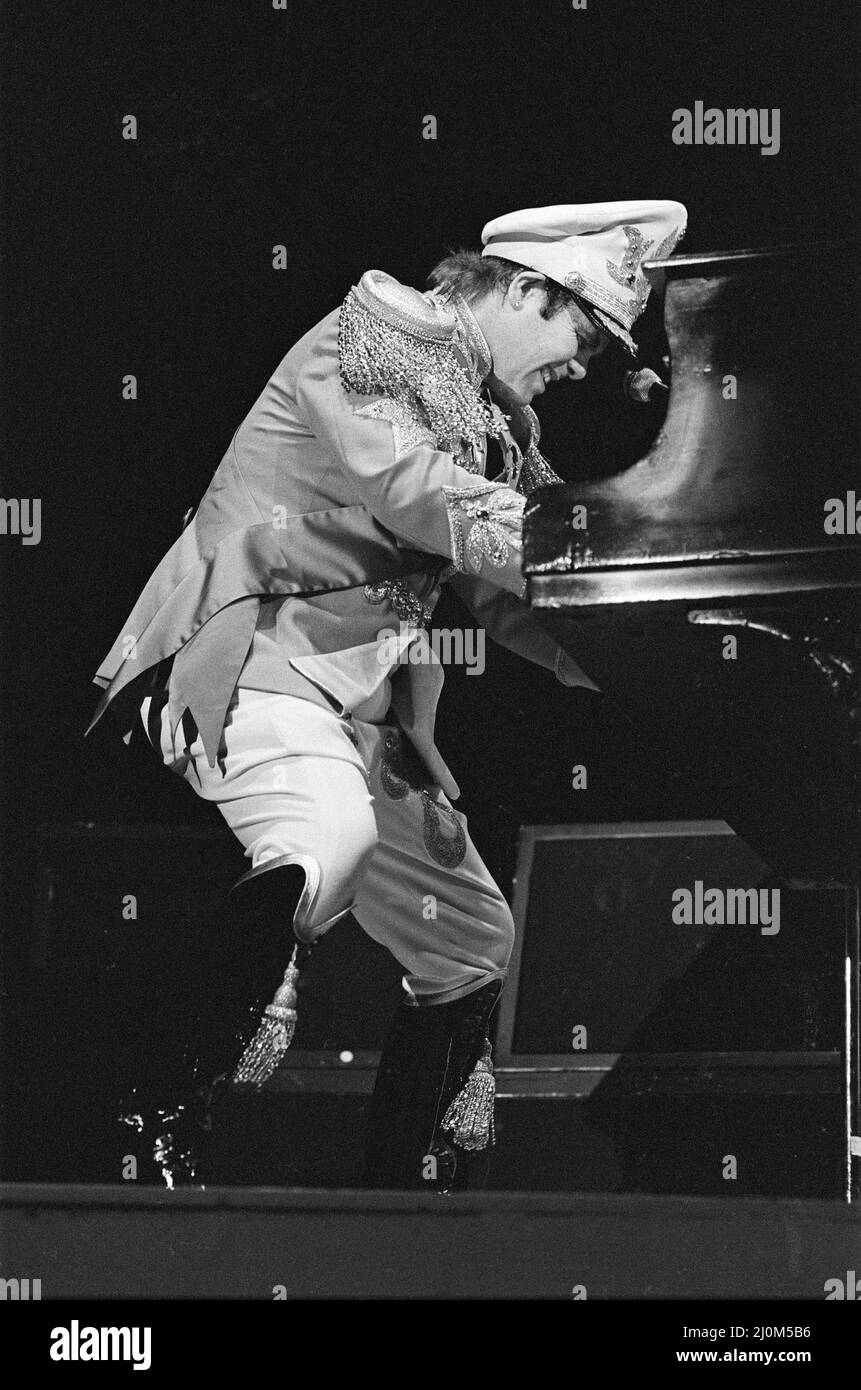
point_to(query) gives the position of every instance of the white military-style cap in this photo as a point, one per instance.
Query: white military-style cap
(595, 250)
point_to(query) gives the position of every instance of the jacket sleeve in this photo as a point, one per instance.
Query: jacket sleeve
(412, 488)
(511, 622)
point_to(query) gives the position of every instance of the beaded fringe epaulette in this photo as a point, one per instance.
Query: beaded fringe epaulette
(390, 342)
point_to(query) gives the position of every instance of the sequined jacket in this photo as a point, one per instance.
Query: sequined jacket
(351, 491)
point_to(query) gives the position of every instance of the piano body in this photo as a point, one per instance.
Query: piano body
(729, 528)
(721, 531)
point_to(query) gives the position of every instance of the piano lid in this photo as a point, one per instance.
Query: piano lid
(760, 435)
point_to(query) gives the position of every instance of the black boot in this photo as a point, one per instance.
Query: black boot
(229, 1016)
(430, 1122)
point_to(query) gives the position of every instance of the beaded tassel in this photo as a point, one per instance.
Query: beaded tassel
(273, 1036)
(469, 1118)
(536, 472)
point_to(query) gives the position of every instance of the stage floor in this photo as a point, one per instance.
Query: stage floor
(266, 1243)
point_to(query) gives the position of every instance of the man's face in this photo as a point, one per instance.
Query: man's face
(529, 351)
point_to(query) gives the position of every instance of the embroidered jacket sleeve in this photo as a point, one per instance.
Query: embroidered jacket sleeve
(415, 489)
(512, 623)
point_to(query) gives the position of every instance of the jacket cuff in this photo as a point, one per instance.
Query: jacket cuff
(485, 523)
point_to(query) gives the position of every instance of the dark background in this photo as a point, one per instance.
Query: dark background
(304, 127)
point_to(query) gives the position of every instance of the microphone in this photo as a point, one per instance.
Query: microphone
(645, 387)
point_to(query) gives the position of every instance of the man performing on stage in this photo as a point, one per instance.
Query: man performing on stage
(260, 659)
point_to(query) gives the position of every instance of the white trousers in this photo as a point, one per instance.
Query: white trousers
(300, 779)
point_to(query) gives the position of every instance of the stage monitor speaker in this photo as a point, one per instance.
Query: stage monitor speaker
(642, 952)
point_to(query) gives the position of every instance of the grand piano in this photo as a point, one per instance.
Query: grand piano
(742, 521)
